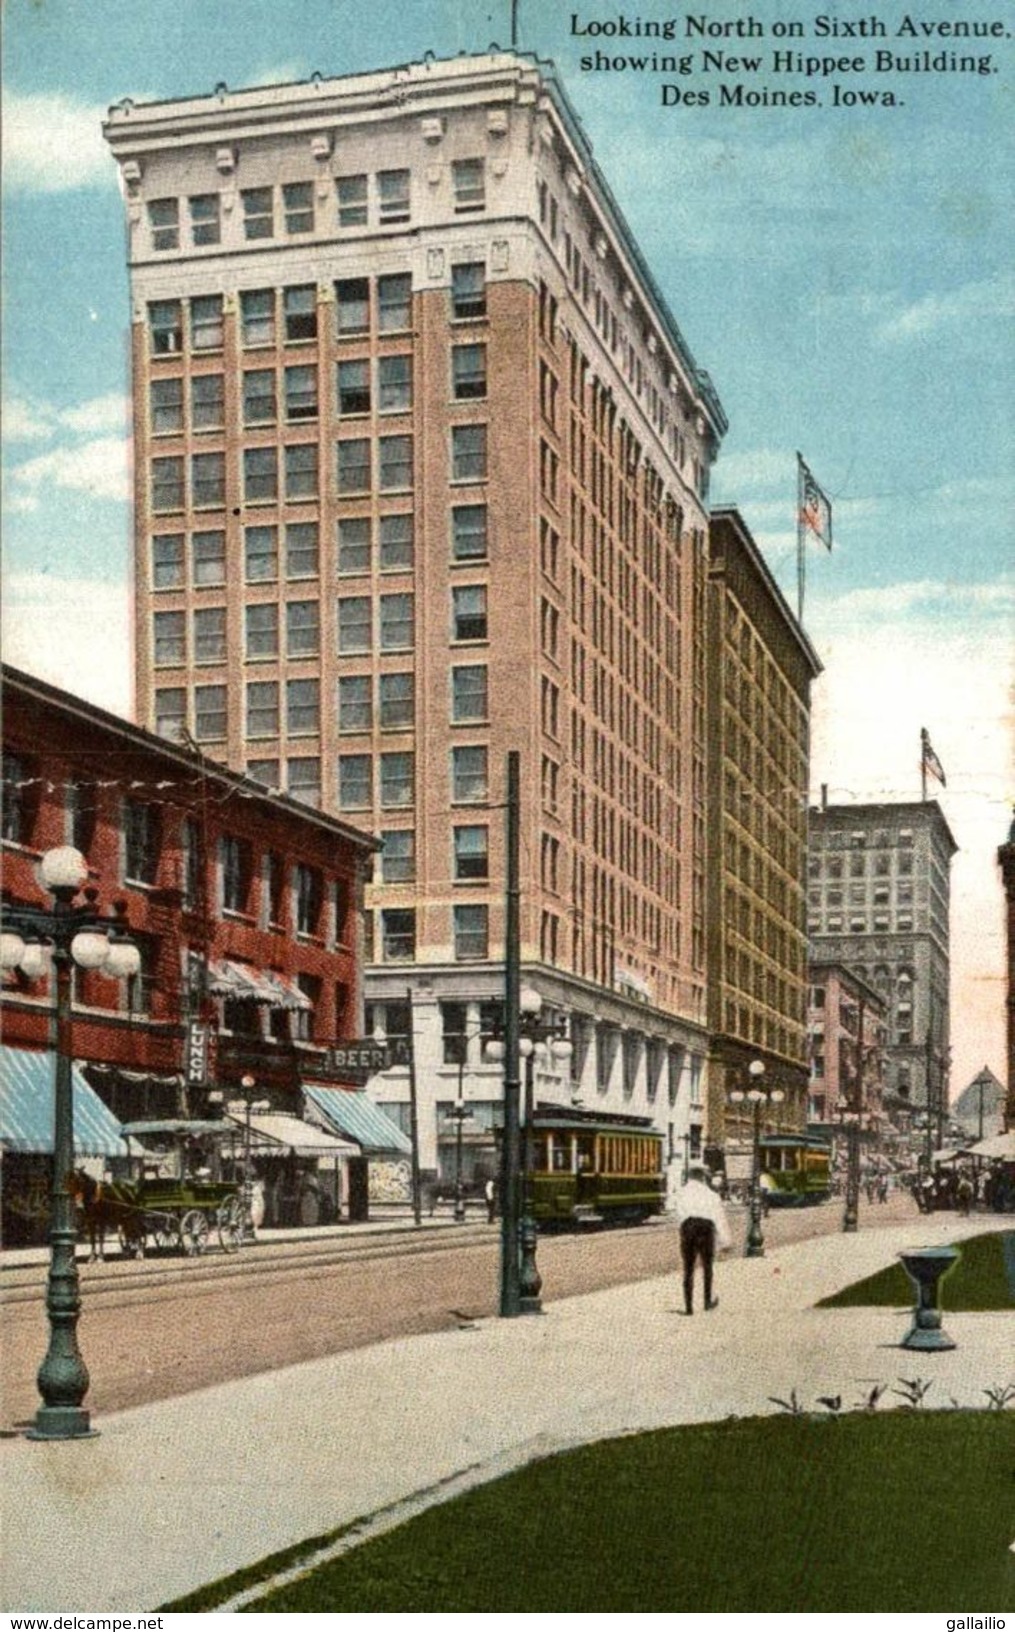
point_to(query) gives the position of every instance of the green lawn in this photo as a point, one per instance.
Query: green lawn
(979, 1280)
(892, 1512)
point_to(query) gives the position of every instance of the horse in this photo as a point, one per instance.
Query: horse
(103, 1206)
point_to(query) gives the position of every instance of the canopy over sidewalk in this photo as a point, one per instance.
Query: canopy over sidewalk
(26, 1109)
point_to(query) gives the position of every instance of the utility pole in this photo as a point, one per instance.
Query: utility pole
(510, 1261)
(417, 1211)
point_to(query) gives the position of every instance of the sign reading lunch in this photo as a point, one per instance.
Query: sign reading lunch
(725, 59)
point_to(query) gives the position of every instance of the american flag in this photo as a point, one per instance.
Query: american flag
(930, 761)
(814, 508)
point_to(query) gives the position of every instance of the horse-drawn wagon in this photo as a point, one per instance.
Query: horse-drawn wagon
(175, 1201)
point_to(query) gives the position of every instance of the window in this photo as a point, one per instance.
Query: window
(353, 387)
(468, 532)
(354, 782)
(468, 181)
(396, 623)
(210, 634)
(393, 195)
(468, 453)
(352, 200)
(354, 466)
(257, 317)
(304, 777)
(167, 561)
(471, 932)
(396, 781)
(170, 713)
(468, 371)
(303, 707)
(192, 857)
(204, 219)
(17, 808)
(394, 302)
(298, 204)
(260, 550)
(260, 475)
(398, 857)
(355, 709)
(167, 484)
(468, 612)
(468, 775)
(237, 872)
(352, 305)
(166, 406)
(468, 289)
(395, 463)
(140, 842)
(259, 396)
(301, 471)
(170, 638)
(354, 624)
(396, 541)
(299, 306)
(208, 552)
(394, 384)
(262, 630)
(301, 392)
(206, 322)
(208, 480)
(398, 934)
(301, 549)
(262, 708)
(165, 327)
(468, 693)
(396, 697)
(472, 853)
(207, 402)
(210, 719)
(354, 545)
(258, 213)
(302, 624)
(164, 220)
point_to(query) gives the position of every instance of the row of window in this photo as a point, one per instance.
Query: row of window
(296, 553)
(470, 846)
(362, 200)
(354, 394)
(395, 702)
(290, 314)
(397, 926)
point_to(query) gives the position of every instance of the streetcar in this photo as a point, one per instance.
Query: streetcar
(795, 1169)
(586, 1167)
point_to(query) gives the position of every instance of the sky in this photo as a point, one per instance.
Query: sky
(844, 274)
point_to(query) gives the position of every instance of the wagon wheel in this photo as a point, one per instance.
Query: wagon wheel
(194, 1232)
(230, 1224)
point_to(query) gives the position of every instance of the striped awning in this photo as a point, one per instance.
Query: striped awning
(349, 1111)
(227, 978)
(26, 1109)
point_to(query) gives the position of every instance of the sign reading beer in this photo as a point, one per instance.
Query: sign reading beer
(362, 1057)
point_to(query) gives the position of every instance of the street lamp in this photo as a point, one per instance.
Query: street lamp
(459, 1114)
(250, 1104)
(756, 1096)
(81, 936)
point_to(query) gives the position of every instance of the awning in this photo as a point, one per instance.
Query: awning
(240, 981)
(287, 993)
(277, 1132)
(26, 1109)
(1001, 1145)
(349, 1111)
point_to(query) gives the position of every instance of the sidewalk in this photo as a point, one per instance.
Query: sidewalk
(174, 1495)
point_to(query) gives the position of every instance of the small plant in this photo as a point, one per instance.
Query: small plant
(870, 1401)
(999, 1397)
(831, 1402)
(913, 1391)
(792, 1405)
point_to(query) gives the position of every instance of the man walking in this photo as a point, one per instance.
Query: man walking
(703, 1227)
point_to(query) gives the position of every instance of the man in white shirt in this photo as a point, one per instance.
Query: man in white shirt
(703, 1227)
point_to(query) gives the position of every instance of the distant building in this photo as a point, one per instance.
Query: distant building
(846, 1035)
(760, 667)
(878, 893)
(245, 908)
(980, 1106)
(1006, 861)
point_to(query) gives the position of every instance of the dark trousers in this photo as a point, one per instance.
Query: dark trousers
(697, 1240)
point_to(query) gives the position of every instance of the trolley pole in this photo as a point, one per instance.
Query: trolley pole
(510, 1263)
(417, 1203)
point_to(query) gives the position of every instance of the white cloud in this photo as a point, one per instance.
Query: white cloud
(52, 143)
(26, 421)
(988, 298)
(106, 413)
(99, 467)
(757, 470)
(858, 606)
(46, 633)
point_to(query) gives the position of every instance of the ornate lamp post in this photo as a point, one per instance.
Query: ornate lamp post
(458, 1115)
(81, 936)
(756, 1096)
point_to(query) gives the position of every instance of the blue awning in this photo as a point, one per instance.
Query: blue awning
(26, 1109)
(349, 1111)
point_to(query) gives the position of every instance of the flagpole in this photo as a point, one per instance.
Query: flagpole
(923, 765)
(801, 530)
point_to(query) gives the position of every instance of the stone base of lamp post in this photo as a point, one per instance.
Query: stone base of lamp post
(530, 1281)
(63, 1376)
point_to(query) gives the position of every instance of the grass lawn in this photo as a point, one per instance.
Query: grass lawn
(894, 1512)
(979, 1280)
